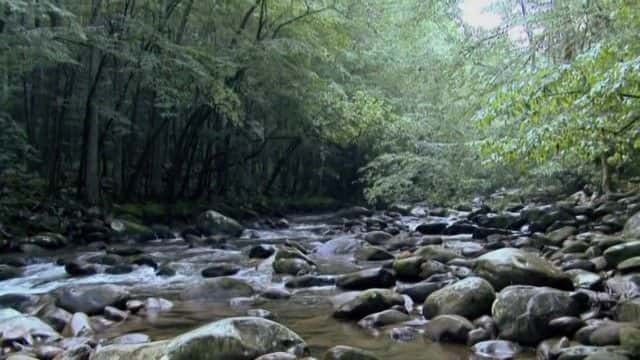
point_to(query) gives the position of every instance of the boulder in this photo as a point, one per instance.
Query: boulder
(408, 268)
(292, 266)
(438, 253)
(366, 279)
(358, 305)
(632, 227)
(511, 266)
(218, 270)
(235, 338)
(90, 299)
(618, 253)
(17, 327)
(451, 328)
(384, 318)
(343, 245)
(418, 292)
(523, 313)
(212, 222)
(471, 298)
(629, 310)
(557, 236)
(242, 338)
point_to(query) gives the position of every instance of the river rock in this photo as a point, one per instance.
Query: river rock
(632, 227)
(451, 328)
(131, 229)
(418, 292)
(220, 270)
(235, 338)
(384, 318)
(432, 267)
(471, 298)
(79, 326)
(438, 253)
(9, 272)
(343, 245)
(621, 252)
(212, 222)
(511, 266)
(358, 305)
(495, 350)
(348, 353)
(523, 313)
(556, 237)
(17, 327)
(261, 251)
(90, 299)
(629, 310)
(242, 338)
(292, 266)
(221, 288)
(56, 317)
(49, 240)
(434, 228)
(408, 268)
(75, 268)
(367, 279)
(629, 265)
(310, 281)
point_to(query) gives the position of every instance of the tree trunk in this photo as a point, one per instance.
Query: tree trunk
(606, 174)
(92, 185)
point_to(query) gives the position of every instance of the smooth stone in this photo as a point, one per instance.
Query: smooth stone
(523, 313)
(419, 292)
(212, 222)
(90, 299)
(79, 326)
(384, 318)
(629, 265)
(310, 281)
(628, 310)
(9, 272)
(448, 328)
(509, 266)
(496, 350)
(621, 252)
(367, 279)
(220, 270)
(470, 298)
(342, 352)
(261, 251)
(360, 304)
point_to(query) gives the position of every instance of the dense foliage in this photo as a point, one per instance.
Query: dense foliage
(168, 100)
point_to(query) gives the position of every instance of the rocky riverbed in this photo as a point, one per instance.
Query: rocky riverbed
(558, 280)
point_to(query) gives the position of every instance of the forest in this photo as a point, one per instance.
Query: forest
(424, 167)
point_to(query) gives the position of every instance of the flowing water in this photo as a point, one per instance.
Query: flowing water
(307, 312)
